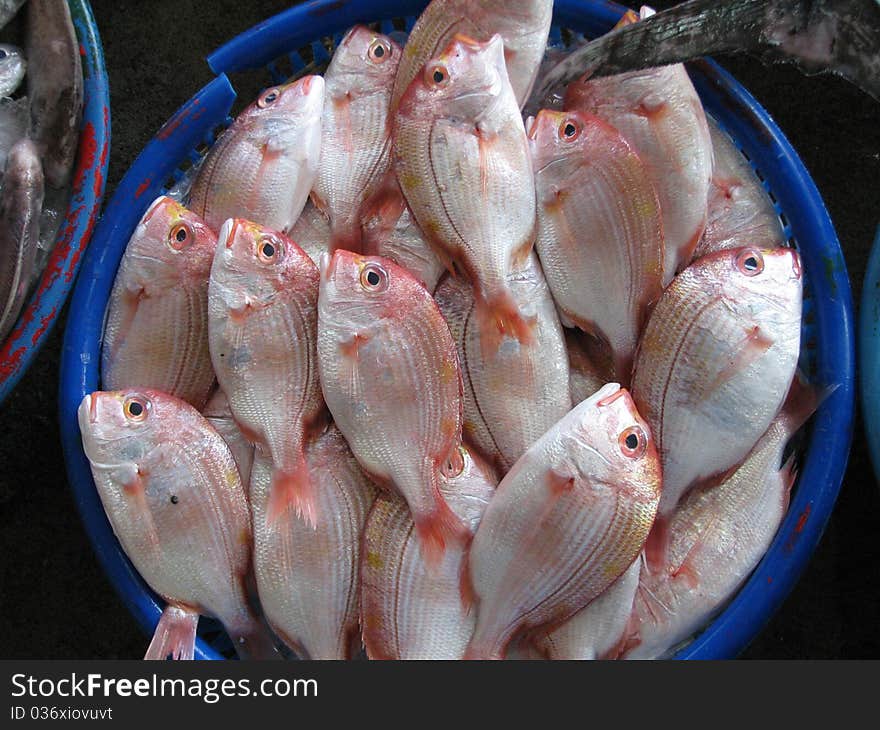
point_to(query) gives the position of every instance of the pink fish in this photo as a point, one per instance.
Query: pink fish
(263, 167)
(524, 26)
(714, 364)
(156, 335)
(391, 379)
(176, 503)
(410, 610)
(740, 210)
(462, 161)
(356, 136)
(262, 306)
(659, 113)
(716, 538)
(567, 520)
(512, 396)
(307, 578)
(600, 233)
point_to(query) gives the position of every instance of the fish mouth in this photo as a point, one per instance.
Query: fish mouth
(227, 233)
(88, 409)
(796, 265)
(532, 128)
(608, 394)
(327, 265)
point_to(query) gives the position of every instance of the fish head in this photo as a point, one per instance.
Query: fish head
(613, 444)
(559, 141)
(357, 292)
(764, 284)
(461, 83)
(12, 67)
(120, 427)
(172, 245)
(367, 59)
(253, 265)
(286, 118)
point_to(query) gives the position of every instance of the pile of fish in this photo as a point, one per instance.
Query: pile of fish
(412, 373)
(38, 144)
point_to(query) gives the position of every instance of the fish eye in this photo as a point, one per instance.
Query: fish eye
(268, 97)
(454, 465)
(437, 75)
(379, 50)
(136, 408)
(268, 249)
(750, 262)
(3, 54)
(633, 442)
(179, 236)
(569, 130)
(374, 278)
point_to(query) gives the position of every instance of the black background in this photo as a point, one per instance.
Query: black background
(55, 601)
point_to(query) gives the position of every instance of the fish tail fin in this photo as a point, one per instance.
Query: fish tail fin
(498, 316)
(437, 529)
(802, 401)
(175, 635)
(293, 489)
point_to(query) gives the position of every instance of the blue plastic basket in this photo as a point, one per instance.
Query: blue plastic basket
(90, 173)
(301, 36)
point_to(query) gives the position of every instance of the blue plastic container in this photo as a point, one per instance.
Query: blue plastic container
(90, 173)
(869, 353)
(827, 336)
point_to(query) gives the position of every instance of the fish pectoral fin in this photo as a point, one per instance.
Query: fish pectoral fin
(351, 349)
(748, 350)
(175, 635)
(559, 481)
(134, 487)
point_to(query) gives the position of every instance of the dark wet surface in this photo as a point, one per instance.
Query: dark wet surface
(55, 601)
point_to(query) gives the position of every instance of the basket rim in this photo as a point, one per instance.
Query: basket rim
(40, 313)
(825, 459)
